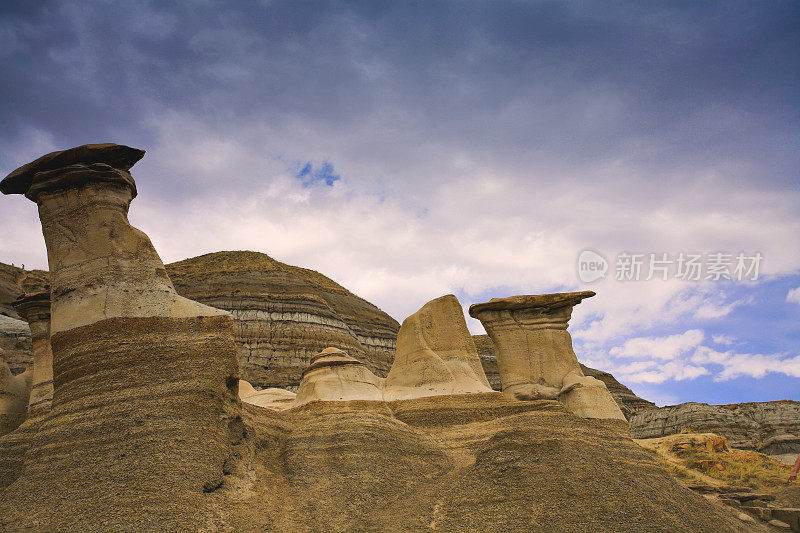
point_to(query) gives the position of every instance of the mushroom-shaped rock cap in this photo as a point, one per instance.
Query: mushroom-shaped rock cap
(330, 357)
(531, 301)
(94, 156)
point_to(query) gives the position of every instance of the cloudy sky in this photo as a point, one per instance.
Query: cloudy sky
(409, 150)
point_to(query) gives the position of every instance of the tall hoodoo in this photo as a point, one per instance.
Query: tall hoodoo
(144, 380)
(35, 309)
(535, 355)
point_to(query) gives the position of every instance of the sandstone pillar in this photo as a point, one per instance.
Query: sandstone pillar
(144, 401)
(35, 309)
(535, 355)
(435, 354)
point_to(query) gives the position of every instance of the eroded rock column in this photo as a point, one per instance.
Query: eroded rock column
(535, 355)
(435, 354)
(144, 401)
(35, 309)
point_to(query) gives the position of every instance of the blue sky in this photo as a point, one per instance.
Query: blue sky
(410, 150)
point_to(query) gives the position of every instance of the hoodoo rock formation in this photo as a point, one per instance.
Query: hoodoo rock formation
(283, 315)
(626, 399)
(535, 356)
(334, 376)
(145, 410)
(35, 308)
(146, 432)
(435, 354)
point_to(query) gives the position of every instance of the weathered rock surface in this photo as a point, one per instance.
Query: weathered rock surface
(453, 463)
(745, 425)
(334, 376)
(15, 281)
(15, 341)
(145, 410)
(15, 335)
(435, 354)
(283, 315)
(534, 352)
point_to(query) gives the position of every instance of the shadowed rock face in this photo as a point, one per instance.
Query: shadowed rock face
(534, 352)
(435, 354)
(14, 394)
(283, 315)
(15, 341)
(144, 401)
(35, 308)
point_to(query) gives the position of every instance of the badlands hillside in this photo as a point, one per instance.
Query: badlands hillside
(131, 415)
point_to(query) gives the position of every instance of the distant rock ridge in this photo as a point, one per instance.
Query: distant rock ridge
(283, 315)
(745, 425)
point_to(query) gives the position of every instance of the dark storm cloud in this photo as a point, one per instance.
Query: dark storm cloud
(659, 82)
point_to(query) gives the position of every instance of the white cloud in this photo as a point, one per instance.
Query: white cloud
(664, 348)
(793, 296)
(726, 340)
(736, 365)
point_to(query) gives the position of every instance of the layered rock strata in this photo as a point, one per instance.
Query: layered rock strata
(144, 402)
(35, 309)
(470, 462)
(15, 335)
(334, 376)
(745, 425)
(534, 352)
(435, 354)
(283, 315)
